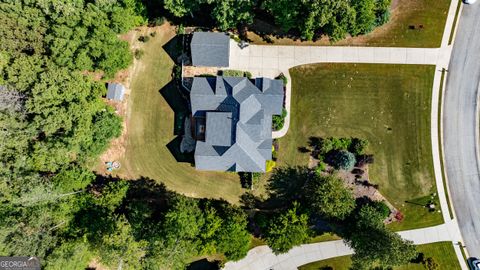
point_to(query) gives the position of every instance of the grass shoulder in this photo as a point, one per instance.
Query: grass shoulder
(442, 253)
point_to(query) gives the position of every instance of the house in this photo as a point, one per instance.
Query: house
(115, 91)
(210, 49)
(232, 122)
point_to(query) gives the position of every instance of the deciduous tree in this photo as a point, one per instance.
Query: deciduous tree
(328, 196)
(287, 230)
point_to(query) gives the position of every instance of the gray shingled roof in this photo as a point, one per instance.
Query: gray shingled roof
(238, 112)
(115, 91)
(220, 126)
(210, 49)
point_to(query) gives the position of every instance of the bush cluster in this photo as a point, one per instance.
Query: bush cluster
(236, 73)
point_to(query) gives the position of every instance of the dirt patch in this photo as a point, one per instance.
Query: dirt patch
(191, 71)
(394, 4)
(95, 264)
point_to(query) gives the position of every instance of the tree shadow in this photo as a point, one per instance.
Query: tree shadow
(286, 183)
(264, 26)
(283, 187)
(303, 149)
(204, 264)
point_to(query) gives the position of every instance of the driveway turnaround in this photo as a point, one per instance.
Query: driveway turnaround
(460, 127)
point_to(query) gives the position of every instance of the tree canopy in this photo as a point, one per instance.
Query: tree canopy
(288, 230)
(335, 18)
(328, 196)
(374, 244)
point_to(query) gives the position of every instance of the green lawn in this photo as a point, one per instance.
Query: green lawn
(150, 127)
(442, 253)
(430, 14)
(389, 105)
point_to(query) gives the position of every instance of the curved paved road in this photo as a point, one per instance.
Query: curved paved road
(460, 129)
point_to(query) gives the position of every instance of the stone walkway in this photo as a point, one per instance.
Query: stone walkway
(271, 60)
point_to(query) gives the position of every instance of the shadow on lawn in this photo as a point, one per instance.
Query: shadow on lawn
(179, 105)
(174, 47)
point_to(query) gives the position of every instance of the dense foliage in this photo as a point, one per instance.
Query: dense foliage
(342, 160)
(80, 35)
(278, 121)
(52, 112)
(324, 201)
(335, 18)
(328, 196)
(288, 230)
(374, 244)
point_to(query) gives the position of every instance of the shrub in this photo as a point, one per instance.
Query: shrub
(236, 38)
(158, 21)
(321, 167)
(177, 72)
(343, 160)
(270, 165)
(341, 143)
(357, 146)
(431, 264)
(364, 160)
(283, 78)
(246, 179)
(383, 18)
(274, 155)
(382, 208)
(153, 34)
(419, 259)
(236, 73)
(325, 146)
(279, 120)
(144, 39)
(180, 30)
(399, 216)
(139, 54)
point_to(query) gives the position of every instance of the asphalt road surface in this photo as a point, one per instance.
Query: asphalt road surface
(460, 127)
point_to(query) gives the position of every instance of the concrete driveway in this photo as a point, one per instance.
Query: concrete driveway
(268, 60)
(262, 258)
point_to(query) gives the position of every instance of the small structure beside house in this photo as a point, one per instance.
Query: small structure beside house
(210, 49)
(115, 91)
(232, 122)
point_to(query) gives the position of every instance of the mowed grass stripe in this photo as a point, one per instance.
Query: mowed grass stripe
(389, 105)
(151, 128)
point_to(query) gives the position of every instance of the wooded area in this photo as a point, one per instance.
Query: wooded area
(337, 19)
